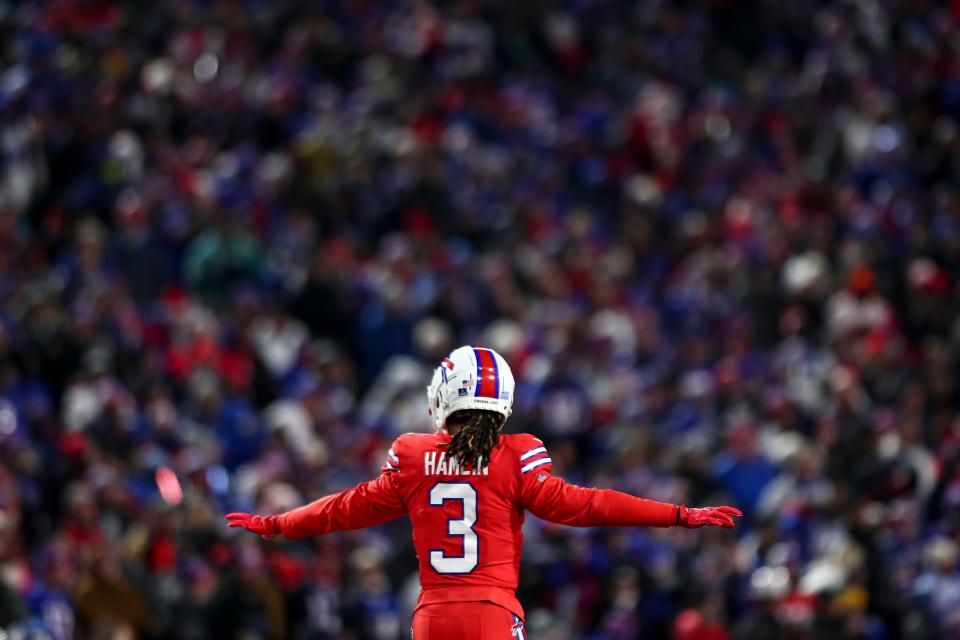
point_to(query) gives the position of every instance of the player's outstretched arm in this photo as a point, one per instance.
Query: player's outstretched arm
(552, 499)
(365, 505)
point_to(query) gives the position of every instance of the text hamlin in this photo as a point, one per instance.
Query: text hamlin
(436, 464)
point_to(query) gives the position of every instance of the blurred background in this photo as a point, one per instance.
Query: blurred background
(718, 241)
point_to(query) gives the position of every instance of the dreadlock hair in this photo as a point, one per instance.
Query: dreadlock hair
(477, 435)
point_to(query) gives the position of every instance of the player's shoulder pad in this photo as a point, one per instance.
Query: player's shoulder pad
(408, 446)
(521, 441)
(412, 439)
(401, 445)
(530, 452)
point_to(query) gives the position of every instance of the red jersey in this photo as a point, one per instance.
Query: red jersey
(467, 520)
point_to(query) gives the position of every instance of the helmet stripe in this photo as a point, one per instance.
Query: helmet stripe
(476, 355)
(488, 376)
(496, 373)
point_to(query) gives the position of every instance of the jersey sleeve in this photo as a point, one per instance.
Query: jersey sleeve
(532, 456)
(392, 462)
(365, 505)
(550, 498)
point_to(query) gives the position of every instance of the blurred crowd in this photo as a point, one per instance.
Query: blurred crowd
(718, 241)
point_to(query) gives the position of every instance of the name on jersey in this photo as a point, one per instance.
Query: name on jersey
(436, 464)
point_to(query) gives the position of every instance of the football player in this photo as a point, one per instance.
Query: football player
(466, 488)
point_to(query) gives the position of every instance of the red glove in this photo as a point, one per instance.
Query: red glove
(266, 526)
(707, 516)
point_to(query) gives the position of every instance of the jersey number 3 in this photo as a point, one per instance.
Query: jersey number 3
(462, 527)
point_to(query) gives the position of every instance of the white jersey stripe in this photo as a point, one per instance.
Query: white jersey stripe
(532, 452)
(518, 628)
(390, 467)
(535, 464)
(394, 456)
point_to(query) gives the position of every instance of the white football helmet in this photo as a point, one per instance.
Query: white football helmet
(470, 378)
